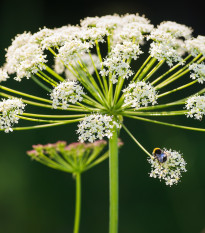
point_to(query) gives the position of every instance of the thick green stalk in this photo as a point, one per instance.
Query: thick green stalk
(113, 164)
(77, 203)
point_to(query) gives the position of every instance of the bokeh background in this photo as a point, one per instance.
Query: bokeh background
(37, 199)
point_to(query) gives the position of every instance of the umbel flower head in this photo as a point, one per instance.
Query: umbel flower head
(98, 78)
(72, 158)
(169, 170)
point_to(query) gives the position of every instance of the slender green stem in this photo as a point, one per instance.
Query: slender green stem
(42, 85)
(97, 73)
(100, 58)
(53, 116)
(179, 73)
(177, 89)
(77, 203)
(45, 125)
(167, 124)
(146, 69)
(25, 94)
(49, 78)
(135, 140)
(142, 67)
(46, 80)
(57, 76)
(169, 71)
(163, 113)
(154, 70)
(113, 164)
(71, 107)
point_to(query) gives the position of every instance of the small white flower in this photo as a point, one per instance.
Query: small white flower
(171, 170)
(10, 109)
(71, 49)
(199, 72)
(67, 92)
(139, 94)
(196, 45)
(117, 61)
(96, 126)
(196, 107)
(3, 75)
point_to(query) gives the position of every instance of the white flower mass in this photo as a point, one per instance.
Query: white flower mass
(198, 72)
(196, 107)
(67, 92)
(169, 171)
(96, 126)
(139, 94)
(10, 109)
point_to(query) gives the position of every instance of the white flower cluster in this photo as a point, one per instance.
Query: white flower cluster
(85, 58)
(71, 49)
(196, 107)
(168, 43)
(196, 45)
(67, 92)
(117, 62)
(199, 72)
(10, 109)
(96, 126)
(3, 75)
(24, 57)
(139, 94)
(171, 170)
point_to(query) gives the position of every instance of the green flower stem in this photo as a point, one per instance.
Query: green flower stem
(100, 58)
(77, 203)
(92, 102)
(46, 125)
(72, 108)
(95, 85)
(177, 89)
(154, 70)
(164, 113)
(38, 120)
(146, 69)
(24, 94)
(53, 116)
(167, 124)
(169, 71)
(57, 76)
(118, 89)
(178, 74)
(113, 164)
(108, 44)
(38, 82)
(45, 79)
(110, 93)
(97, 74)
(142, 67)
(175, 103)
(89, 86)
(135, 140)
(97, 161)
(46, 76)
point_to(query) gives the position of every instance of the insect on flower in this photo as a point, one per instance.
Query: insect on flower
(160, 155)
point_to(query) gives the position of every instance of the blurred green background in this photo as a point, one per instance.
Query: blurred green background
(37, 199)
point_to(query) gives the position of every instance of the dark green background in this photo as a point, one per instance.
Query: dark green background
(37, 199)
